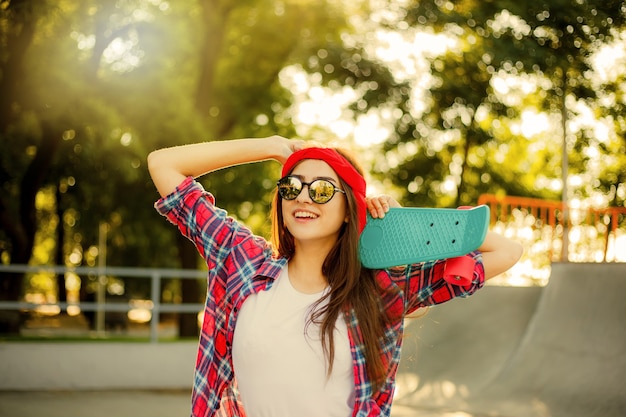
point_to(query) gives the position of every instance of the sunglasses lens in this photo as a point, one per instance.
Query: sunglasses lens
(289, 187)
(321, 191)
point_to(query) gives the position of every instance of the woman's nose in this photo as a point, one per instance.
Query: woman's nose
(304, 196)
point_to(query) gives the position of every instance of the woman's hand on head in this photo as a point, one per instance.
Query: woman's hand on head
(379, 205)
(285, 147)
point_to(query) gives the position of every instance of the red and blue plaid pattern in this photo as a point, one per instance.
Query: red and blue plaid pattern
(240, 263)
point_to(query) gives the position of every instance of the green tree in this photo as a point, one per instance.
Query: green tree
(551, 40)
(104, 82)
(21, 153)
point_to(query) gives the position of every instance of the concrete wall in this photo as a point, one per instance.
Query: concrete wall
(97, 365)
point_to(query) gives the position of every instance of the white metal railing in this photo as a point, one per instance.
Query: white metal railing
(100, 307)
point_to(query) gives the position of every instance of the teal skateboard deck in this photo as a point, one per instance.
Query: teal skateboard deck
(412, 235)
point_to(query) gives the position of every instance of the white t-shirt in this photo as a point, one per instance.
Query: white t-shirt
(280, 370)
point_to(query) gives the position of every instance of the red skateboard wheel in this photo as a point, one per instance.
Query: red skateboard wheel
(459, 270)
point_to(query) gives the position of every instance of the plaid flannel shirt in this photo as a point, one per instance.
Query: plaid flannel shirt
(240, 263)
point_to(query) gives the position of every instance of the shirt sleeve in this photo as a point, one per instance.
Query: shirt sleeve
(193, 211)
(423, 284)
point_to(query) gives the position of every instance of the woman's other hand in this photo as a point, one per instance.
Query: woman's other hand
(379, 205)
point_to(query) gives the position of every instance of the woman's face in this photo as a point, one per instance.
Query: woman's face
(307, 220)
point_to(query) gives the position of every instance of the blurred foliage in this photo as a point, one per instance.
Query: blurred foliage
(89, 88)
(465, 134)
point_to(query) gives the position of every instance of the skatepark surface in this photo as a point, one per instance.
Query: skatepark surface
(522, 352)
(504, 352)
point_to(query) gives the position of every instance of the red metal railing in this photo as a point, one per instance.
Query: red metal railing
(591, 234)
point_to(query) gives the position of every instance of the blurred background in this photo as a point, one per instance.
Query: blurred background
(517, 105)
(447, 103)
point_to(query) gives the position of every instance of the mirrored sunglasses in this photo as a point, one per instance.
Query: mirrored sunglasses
(320, 191)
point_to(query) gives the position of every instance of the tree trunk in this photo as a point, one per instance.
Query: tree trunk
(22, 18)
(22, 233)
(564, 171)
(59, 258)
(215, 15)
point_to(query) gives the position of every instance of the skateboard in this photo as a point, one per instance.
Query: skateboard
(413, 235)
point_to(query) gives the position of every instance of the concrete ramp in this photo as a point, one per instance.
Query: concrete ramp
(519, 352)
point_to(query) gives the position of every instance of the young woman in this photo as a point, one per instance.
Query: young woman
(298, 327)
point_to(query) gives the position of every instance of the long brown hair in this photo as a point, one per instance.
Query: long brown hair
(351, 287)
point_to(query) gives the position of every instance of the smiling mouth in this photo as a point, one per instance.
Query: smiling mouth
(305, 215)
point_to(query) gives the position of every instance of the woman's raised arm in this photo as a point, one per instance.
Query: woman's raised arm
(170, 166)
